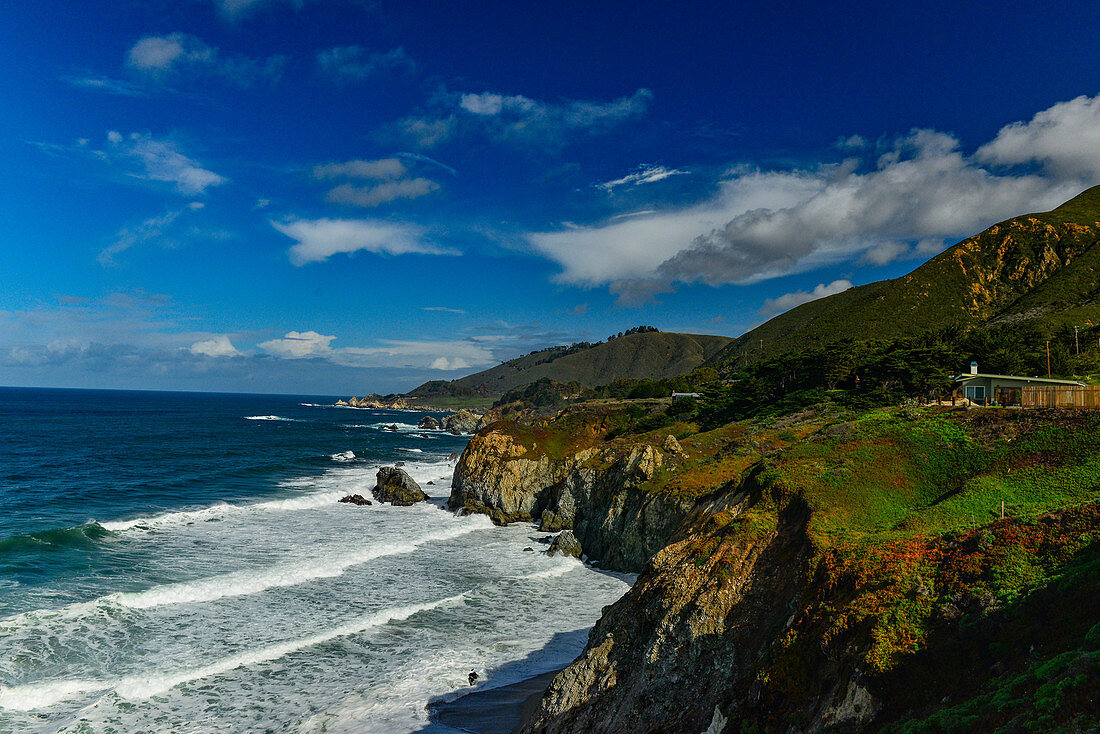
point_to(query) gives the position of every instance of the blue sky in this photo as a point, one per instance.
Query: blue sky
(333, 197)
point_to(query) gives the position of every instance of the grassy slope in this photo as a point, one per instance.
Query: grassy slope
(905, 508)
(1034, 266)
(651, 355)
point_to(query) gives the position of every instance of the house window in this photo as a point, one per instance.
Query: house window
(975, 393)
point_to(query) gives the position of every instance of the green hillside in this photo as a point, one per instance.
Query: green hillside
(652, 355)
(1043, 268)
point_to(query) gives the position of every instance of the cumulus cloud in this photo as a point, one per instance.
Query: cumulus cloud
(219, 346)
(444, 363)
(355, 63)
(320, 239)
(519, 119)
(1063, 139)
(381, 168)
(788, 301)
(298, 345)
(152, 159)
(383, 193)
(178, 55)
(922, 191)
(644, 174)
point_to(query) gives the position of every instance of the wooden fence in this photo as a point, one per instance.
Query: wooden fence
(1061, 397)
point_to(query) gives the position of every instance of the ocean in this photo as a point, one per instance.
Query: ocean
(178, 562)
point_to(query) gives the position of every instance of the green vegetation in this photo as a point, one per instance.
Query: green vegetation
(1037, 268)
(640, 355)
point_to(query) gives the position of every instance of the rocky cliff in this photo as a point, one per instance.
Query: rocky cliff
(822, 572)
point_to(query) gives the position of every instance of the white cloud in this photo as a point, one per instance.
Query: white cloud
(643, 175)
(160, 160)
(427, 132)
(885, 253)
(1063, 139)
(355, 63)
(444, 309)
(152, 230)
(299, 344)
(162, 53)
(440, 355)
(383, 193)
(178, 55)
(788, 301)
(382, 168)
(520, 119)
(763, 224)
(486, 103)
(219, 346)
(320, 239)
(443, 363)
(97, 83)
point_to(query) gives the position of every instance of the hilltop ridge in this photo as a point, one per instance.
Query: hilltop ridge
(1040, 267)
(645, 355)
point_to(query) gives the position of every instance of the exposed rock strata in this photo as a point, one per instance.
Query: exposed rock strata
(595, 494)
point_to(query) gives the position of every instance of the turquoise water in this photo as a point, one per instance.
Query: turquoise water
(179, 562)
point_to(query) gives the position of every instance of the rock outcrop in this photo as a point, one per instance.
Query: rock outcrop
(355, 499)
(462, 422)
(565, 544)
(397, 487)
(429, 422)
(597, 494)
(377, 402)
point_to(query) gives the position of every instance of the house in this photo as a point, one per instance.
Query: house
(986, 389)
(686, 395)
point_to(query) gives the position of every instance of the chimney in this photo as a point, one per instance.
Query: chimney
(973, 368)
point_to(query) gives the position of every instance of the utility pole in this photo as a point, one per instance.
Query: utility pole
(1048, 358)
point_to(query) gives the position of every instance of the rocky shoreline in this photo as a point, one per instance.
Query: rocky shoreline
(745, 597)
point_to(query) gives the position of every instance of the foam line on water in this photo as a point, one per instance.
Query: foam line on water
(242, 583)
(136, 687)
(270, 418)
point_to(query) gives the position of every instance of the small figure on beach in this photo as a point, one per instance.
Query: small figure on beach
(473, 677)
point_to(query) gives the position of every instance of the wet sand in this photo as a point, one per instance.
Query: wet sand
(491, 711)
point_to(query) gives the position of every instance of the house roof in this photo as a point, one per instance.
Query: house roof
(1043, 380)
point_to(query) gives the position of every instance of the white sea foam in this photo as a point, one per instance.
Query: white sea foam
(135, 687)
(403, 427)
(414, 451)
(343, 456)
(270, 418)
(240, 583)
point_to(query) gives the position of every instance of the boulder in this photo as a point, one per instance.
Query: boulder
(566, 544)
(671, 445)
(356, 499)
(391, 427)
(429, 422)
(462, 422)
(397, 487)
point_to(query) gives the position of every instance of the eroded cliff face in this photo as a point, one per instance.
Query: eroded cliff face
(815, 576)
(663, 657)
(598, 493)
